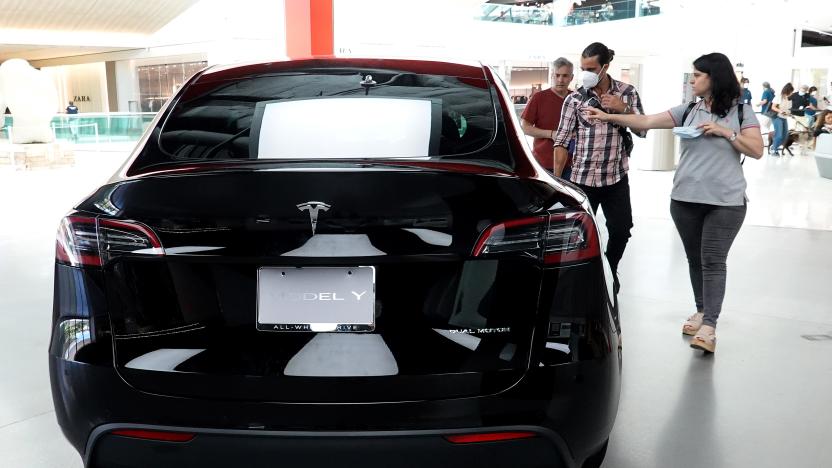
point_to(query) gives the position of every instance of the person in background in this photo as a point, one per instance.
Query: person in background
(799, 101)
(767, 115)
(602, 151)
(767, 98)
(799, 107)
(541, 116)
(781, 126)
(827, 100)
(812, 107)
(824, 124)
(607, 12)
(708, 202)
(746, 93)
(71, 109)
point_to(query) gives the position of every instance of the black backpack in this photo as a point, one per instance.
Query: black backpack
(740, 116)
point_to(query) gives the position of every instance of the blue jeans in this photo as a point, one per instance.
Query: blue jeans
(781, 130)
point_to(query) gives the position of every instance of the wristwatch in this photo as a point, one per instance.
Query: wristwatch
(732, 137)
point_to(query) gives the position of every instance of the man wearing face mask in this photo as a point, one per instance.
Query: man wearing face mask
(800, 101)
(746, 93)
(800, 104)
(600, 162)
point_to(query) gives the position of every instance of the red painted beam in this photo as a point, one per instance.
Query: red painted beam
(309, 28)
(323, 26)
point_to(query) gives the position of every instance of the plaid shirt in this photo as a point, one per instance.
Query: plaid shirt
(600, 159)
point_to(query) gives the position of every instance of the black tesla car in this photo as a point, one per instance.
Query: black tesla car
(335, 262)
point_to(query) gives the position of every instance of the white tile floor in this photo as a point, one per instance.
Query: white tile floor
(763, 400)
(783, 192)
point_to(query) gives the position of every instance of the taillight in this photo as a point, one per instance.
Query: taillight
(519, 235)
(571, 237)
(556, 239)
(77, 242)
(84, 241)
(127, 236)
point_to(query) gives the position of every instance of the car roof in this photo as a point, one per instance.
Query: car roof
(432, 67)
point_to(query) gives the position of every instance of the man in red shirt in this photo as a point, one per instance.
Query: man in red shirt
(541, 116)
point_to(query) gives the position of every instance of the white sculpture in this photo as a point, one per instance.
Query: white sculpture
(31, 97)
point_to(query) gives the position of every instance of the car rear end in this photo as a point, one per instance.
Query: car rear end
(248, 292)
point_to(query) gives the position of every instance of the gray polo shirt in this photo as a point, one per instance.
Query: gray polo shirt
(709, 168)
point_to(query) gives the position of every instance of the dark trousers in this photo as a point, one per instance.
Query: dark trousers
(615, 201)
(707, 232)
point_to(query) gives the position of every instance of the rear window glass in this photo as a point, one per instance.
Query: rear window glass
(331, 114)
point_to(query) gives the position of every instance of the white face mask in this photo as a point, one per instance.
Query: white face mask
(687, 132)
(589, 79)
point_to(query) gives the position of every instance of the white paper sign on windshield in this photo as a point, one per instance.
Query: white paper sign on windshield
(349, 127)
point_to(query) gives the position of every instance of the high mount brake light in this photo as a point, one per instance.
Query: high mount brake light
(86, 241)
(556, 239)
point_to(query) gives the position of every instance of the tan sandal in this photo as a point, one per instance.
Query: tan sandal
(705, 339)
(692, 325)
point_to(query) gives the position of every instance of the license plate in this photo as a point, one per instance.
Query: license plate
(317, 299)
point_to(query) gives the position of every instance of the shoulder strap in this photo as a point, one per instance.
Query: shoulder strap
(687, 111)
(740, 107)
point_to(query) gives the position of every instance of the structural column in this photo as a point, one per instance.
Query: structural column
(309, 28)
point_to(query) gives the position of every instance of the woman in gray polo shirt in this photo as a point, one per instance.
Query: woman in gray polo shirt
(708, 198)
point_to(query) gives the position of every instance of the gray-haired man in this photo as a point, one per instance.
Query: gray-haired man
(541, 116)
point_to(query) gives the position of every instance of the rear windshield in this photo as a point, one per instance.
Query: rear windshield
(331, 114)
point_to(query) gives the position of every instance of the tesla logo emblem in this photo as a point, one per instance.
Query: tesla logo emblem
(313, 208)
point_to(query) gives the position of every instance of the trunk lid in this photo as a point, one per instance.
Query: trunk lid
(446, 325)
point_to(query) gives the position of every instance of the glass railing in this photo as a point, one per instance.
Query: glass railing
(567, 13)
(107, 127)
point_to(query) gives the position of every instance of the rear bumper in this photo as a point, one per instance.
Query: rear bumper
(571, 406)
(255, 449)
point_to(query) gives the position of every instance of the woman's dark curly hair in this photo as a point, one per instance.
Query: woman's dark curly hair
(821, 121)
(725, 89)
(787, 90)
